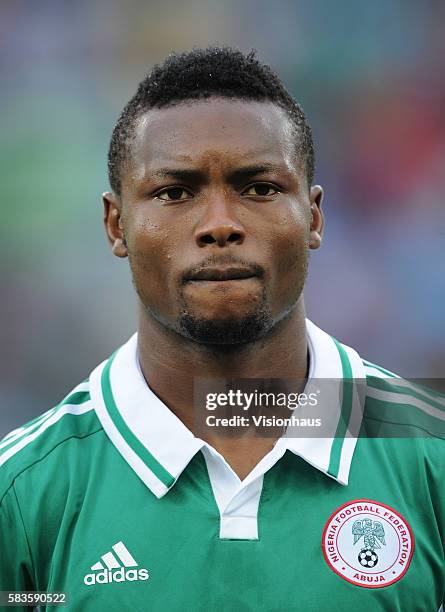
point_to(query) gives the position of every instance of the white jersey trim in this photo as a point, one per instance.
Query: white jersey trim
(59, 414)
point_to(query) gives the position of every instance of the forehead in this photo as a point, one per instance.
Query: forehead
(216, 130)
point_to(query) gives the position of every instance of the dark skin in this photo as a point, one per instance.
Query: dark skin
(217, 185)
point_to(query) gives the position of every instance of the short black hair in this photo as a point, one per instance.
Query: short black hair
(199, 74)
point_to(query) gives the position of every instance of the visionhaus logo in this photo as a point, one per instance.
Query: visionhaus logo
(117, 567)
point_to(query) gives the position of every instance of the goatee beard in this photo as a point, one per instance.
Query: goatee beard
(227, 331)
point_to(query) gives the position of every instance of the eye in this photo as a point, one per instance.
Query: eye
(261, 189)
(173, 194)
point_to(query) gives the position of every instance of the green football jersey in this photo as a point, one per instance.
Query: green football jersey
(111, 499)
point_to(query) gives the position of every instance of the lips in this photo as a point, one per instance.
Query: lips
(222, 274)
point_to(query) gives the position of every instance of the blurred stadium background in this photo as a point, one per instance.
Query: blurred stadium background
(368, 74)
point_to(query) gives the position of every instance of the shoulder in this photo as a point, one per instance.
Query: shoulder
(407, 408)
(390, 406)
(35, 443)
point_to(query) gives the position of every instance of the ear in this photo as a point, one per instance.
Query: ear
(113, 224)
(317, 219)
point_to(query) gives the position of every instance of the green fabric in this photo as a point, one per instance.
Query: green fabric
(80, 508)
(68, 496)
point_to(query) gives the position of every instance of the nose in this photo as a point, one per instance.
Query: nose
(219, 226)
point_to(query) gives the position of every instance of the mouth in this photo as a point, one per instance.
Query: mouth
(221, 274)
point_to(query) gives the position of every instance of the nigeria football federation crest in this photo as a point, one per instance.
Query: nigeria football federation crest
(368, 543)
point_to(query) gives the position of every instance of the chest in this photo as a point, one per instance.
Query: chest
(319, 546)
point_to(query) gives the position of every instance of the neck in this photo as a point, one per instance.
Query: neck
(170, 362)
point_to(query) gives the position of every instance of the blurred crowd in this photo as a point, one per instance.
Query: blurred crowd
(370, 78)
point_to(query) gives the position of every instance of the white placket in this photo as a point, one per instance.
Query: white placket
(238, 500)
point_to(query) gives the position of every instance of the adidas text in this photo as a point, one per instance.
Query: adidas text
(120, 575)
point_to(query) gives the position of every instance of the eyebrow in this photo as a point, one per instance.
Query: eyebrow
(198, 176)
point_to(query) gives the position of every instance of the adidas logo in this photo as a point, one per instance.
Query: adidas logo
(111, 569)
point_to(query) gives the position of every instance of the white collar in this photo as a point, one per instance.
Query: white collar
(158, 446)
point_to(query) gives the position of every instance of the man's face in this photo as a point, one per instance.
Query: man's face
(216, 214)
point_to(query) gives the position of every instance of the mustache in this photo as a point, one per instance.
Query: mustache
(222, 260)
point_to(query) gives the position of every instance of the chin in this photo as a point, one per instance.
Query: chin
(225, 331)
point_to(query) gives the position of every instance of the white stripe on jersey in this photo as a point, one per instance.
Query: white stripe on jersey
(20, 431)
(373, 370)
(406, 384)
(402, 398)
(66, 409)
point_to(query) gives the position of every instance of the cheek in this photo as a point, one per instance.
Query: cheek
(147, 235)
(290, 253)
(150, 259)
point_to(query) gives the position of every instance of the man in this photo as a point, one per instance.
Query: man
(119, 496)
